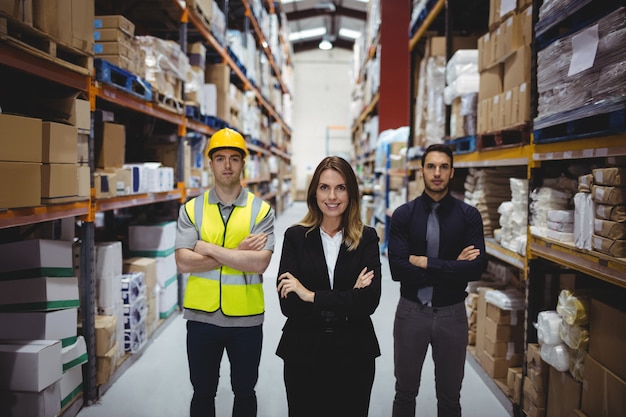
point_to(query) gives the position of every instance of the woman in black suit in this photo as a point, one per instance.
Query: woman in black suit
(329, 286)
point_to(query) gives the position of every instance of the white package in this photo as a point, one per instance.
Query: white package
(583, 220)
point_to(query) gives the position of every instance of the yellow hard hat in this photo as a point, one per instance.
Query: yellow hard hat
(227, 138)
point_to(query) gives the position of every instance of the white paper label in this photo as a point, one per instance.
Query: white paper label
(584, 48)
(507, 6)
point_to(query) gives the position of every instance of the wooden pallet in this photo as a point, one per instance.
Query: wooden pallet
(113, 75)
(518, 135)
(42, 45)
(600, 124)
(466, 144)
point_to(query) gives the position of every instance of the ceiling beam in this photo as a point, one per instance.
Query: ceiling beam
(339, 11)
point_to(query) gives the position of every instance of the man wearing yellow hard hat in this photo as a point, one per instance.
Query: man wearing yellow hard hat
(224, 240)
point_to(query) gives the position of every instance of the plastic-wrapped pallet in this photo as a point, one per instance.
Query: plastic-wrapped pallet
(573, 83)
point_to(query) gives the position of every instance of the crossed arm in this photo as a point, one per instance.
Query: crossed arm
(468, 253)
(248, 256)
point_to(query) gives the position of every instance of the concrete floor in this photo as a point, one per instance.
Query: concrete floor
(157, 384)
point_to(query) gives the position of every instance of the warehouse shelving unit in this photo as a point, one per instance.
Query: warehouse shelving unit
(543, 255)
(18, 56)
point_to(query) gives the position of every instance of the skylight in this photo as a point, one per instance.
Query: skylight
(349, 33)
(308, 33)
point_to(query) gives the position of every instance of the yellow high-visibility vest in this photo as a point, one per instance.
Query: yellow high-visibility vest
(237, 293)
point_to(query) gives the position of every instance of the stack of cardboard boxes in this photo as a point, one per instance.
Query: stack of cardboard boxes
(535, 383)
(504, 57)
(41, 352)
(46, 161)
(114, 42)
(157, 241)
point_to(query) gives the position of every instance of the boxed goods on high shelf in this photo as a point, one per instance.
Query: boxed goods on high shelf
(580, 78)
(504, 64)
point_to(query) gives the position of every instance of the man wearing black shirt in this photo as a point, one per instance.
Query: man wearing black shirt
(433, 256)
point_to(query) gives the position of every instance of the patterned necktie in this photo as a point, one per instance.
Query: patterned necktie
(425, 294)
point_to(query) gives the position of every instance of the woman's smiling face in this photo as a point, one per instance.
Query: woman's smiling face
(332, 193)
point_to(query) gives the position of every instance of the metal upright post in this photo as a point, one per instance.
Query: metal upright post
(88, 279)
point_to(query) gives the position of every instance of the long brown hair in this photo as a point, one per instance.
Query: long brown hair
(351, 218)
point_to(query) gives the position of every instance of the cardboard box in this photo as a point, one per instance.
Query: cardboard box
(120, 48)
(517, 68)
(607, 342)
(436, 45)
(511, 34)
(535, 396)
(146, 265)
(82, 27)
(168, 299)
(110, 35)
(503, 332)
(481, 317)
(59, 143)
(513, 379)
(84, 181)
(539, 377)
(509, 117)
(75, 354)
(82, 151)
(502, 316)
(114, 21)
(30, 365)
(152, 240)
(563, 394)
(59, 180)
(484, 52)
(603, 392)
(36, 258)
(54, 17)
(502, 349)
(110, 145)
(525, 20)
(81, 117)
(106, 334)
(70, 383)
(499, 367)
(533, 358)
(106, 365)
(21, 10)
(495, 110)
(24, 189)
(31, 325)
(46, 403)
(517, 388)
(490, 82)
(42, 293)
(20, 139)
(523, 103)
(104, 184)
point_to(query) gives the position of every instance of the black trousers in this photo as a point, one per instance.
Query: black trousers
(335, 387)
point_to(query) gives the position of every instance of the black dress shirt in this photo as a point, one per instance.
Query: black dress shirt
(460, 226)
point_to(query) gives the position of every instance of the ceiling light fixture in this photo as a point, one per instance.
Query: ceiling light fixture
(325, 45)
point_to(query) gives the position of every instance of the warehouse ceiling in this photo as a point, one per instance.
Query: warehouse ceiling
(310, 21)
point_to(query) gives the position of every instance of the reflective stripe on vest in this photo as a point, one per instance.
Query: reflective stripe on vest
(237, 293)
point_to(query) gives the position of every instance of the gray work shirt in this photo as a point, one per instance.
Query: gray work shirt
(187, 236)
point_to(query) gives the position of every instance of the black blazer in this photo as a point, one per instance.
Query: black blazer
(342, 313)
